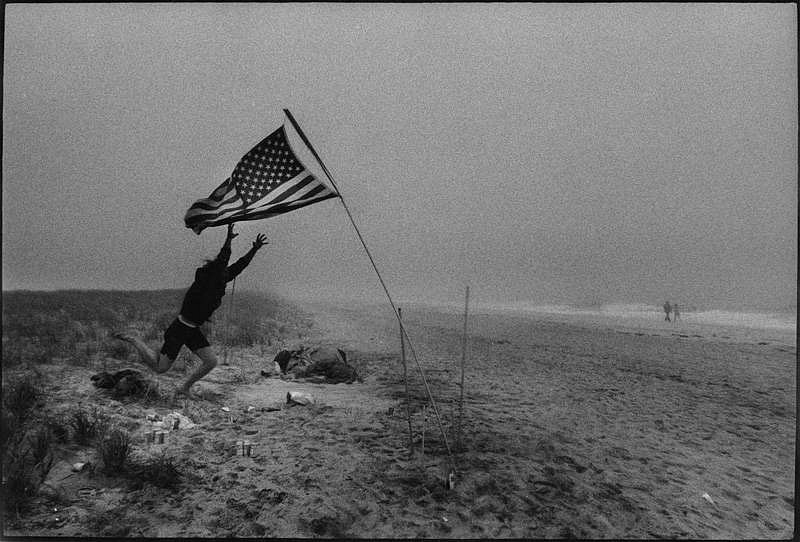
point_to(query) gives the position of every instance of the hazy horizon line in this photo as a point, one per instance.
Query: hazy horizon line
(517, 304)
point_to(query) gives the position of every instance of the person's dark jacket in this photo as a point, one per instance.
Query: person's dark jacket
(205, 294)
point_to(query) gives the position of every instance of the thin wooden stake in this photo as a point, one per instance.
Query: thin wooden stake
(463, 363)
(228, 324)
(405, 379)
(424, 423)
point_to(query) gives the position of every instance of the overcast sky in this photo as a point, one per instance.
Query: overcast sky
(545, 153)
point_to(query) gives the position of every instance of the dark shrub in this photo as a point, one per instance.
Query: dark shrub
(41, 446)
(86, 425)
(21, 397)
(21, 482)
(58, 427)
(114, 450)
(160, 471)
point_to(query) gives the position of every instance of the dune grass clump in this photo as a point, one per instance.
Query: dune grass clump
(8, 429)
(114, 450)
(26, 462)
(24, 351)
(21, 397)
(161, 471)
(21, 481)
(58, 427)
(86, 425)
(41, 448)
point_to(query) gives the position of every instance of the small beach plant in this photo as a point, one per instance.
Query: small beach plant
(114, 450)
(86, 425)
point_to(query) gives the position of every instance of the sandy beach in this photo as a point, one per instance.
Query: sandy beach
(569, 431)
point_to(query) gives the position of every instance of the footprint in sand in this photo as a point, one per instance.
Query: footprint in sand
(619, 452)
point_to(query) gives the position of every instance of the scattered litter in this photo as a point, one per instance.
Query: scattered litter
(172, 423)
(707, 497)
(451, 480)
(225, 409)
(444, 518)
(176, 420)
(299, 397)
(244, 448)
(78, 467)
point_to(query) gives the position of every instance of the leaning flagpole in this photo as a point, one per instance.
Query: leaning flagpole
(380, 278)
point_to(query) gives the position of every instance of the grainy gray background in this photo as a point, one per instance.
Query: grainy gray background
(551, 153)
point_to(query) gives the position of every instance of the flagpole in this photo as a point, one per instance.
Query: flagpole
(380, 278)
(405, 379)
(463, 363)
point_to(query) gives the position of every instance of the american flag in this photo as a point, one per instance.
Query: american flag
(269, 180)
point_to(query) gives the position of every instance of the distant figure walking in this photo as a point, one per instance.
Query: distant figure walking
(201, 300)
(676, 313)
(667, 309)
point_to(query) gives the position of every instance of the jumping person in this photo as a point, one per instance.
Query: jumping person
(201, 300)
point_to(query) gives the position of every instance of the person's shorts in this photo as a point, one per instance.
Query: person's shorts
(178, 334)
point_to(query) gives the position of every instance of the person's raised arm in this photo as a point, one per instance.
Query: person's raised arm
(225, 252)
(245, 260)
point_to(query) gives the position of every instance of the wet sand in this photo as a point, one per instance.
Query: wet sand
(568, 431)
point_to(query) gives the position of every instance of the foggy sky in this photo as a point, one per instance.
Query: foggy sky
(547, 153)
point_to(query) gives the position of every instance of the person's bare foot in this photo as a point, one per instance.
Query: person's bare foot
(122, 336)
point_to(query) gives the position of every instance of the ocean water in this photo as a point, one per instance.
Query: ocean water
(745, 326)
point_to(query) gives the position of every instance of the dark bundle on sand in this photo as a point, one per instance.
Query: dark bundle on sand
(329, 363)
(123, 383)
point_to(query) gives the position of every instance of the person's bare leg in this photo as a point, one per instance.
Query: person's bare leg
(159, 363)
(209, 361)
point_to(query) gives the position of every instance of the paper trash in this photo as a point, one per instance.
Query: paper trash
(300, 398)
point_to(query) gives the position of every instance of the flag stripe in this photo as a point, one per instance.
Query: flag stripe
(317, 193)
(293, 190)
(273, 211)
(232, 204)
(246, 211)
(216, 205)
(281, 189)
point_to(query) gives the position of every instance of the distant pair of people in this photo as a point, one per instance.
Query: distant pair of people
(673, 309)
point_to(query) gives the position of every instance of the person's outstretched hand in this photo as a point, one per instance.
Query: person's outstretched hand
(260, 241)
(231, 233)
